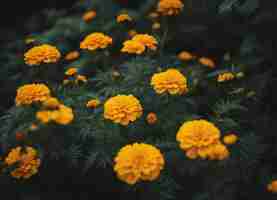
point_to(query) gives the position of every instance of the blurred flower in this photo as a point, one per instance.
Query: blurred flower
(185, 56)
(123, 18)
(156, 26)
(81, 78)
(88, 16)
(151, 118)
(96, 41)
(225, 77)
(132, 33)
(132, 166)
(171, 81)
(71, 71)
(240, 75)
(31, 93)
(272, 187)
(29, 40)
(230, 139)
(207, 61)
(42, 54)
(170, 7)
(72, 55)
(122, 109)
(93, 103)
(153, 15)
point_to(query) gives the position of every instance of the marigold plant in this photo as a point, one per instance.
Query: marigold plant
(42, 54)
(138, 162)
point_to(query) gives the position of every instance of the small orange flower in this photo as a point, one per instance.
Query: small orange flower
(88, 16)
(123, 18)
(207, 61)
(185, 56)
(96, 41)
(72, 55)
(170, 7)
(93, 103)
(272, 187)
(81, 78)
(131, 46)
(147, 40)
(225, 77)
(151, 118)
(230, 139)
(71, 71)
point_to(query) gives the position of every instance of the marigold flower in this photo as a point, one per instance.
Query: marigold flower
(96, 41)
(170, 7)
(93, 103)
(132, 33)
(51, 103)
(147, 40)
(88, 16)
(71, 71)
(122, 109)
(138, 162)
(171, 81)
(151, 118)
(230, 139)
(42, 54)
(123, 18)
(200, 138)
(156, 26)
(45, 116)
(28, 162)
(72, 55)
(133, 47)
(272, 187)
(207, 62)
(225, 77)
(31, 93)
(185, 56)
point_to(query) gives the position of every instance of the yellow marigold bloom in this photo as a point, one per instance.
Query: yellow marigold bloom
(81, 78)
(42, 54)
(72, 55)
(170, 7)
(88, 16)
(207, 61)
(272, 187)
(28, 162)
(13, 156)
(96, 41)
(133, 47)
(171, 81)
(132, 165)
(230, 139)
(122, 109)
(225, 77)
(71, 71)
(185, 56)
(200, 138)
(51, 103)
(123, 17)
(156, 26)
(93, 103)
(132, 33)
(31, 93)
(151, 118)
(63, 116)
(147, 40)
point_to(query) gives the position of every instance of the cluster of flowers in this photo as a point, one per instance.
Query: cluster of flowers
(25, 160)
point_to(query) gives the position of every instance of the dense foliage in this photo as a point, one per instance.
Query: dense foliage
(157, 100)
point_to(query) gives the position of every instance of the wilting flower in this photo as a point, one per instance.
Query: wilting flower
(96, 41)
(31, 93)
(225, 77)
(207, 62)
(122, 109)
(42, 54)
(138, 162)
(123, 18)
(170, 7)
(88, 16)
(171, 81)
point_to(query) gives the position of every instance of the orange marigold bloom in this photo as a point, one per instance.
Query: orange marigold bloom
(42, 54)
(230, 139)
(147, 40)
(72, 55)
(93, 103)
(185, 56)
(170, 7)
(151, 118)
(225, 77)
(123, 18)
(88, 16)
(171, 81)
(63, 116)
(28, 162)
(122, 109)
(133, 47)
(96, 41)
(207, 61)
(51, 103)
(132, 165)
(272, 187)
(31, 93)
(71, 71)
